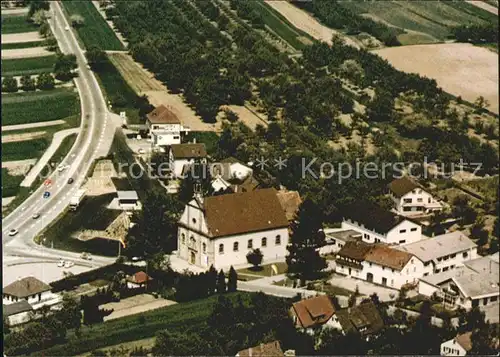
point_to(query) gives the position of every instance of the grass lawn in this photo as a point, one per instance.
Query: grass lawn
(32, 65)
(265, 269)
(17, 24)
(32, 107)
(17, 45)
(63, 149)
(280, 25)
(179, 317)
(10, 184)
(22, 150)
(95, 31)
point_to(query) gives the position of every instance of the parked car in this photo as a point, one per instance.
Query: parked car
(70, 181)
(67, 28)
(13, 232)
(61, 263)
(36, 216)
(68, 264)
(86, 256)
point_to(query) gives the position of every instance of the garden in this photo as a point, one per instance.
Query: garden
(30, 65)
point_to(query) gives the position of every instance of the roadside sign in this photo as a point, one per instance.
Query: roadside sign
(46, 194)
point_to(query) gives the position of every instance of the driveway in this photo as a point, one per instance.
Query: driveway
(364, 287)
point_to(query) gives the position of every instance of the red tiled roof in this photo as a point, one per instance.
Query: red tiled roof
(314, 311)
(140, 278)
(270, 349)
(162, 115)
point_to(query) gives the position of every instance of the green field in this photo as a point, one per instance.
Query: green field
(431, 18)
(17, 24)
(17, 45)
(32, 107)
(95, 31)
(33, 65)
(280, 25)
(181, 317)
(22, 150)
(10, 184)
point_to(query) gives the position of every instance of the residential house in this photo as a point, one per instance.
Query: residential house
(442, 252)
(31, 290)
(270, 349)
(290, 201)
(221, 230)
(410, 198)
(378, 225)
(165, 127)
(138, 280)
(313, 313)
(17, 313)
(378, 263)
(476, 283)
(128, 200)
(457, 346)
(185, 155)
(336, 238)
(232, 175)
(364, 319)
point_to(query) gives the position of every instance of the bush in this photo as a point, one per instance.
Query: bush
(28, 83)
(254, 257)
(45, 81)
(9, 84)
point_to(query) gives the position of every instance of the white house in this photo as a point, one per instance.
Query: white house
(443, 252)
(378, 263)
(378, 225)
(232, 174)
(32, 290)
(457, 346)
(336, 238)
(313, 313)
(221, 230)
(165, 127)
(17, 313)
(411, 199)
(474, 284)
(182, 156)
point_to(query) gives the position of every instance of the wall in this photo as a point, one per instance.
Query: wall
(18, 318)
(457, 261)
(452, 348)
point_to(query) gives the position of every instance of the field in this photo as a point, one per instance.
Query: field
(431, 18)
(460, 69)
(33, 65)
(10, 184)
(21, 150)
(16, 24)
(181, 317)
(32, 107)
(18, 45)
(95, 31)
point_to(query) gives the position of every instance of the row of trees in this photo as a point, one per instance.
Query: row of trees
(476, 33)
(44, 81)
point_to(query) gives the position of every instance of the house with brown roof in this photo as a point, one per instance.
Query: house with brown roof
(378, 263)
(221, 230)
(378, 225)
(164, 127)
(410, 198)
(457, 346)
(271, 349)
(313, 313)
(364, 319)
(184, 156)
(138, 280)
(31, 290)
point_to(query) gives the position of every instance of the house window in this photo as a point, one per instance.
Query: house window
(402, 231)
(437, 271)
(370, 264)
(406, 209)
(465, 254)
(429, 200)
(221, 248)
(183, 238)
(392, 270)
(413, 229)
(235, 246)
(250, 244)
(392, 282)
(204, 247)
(426, 264)
(192, 240)
(402, 241)
(264, 242)
(407, 200)
(445, 269)
(453, 256)
(414, 269)
(194, 220)
(278, 240)
(425, 274)
(494, 298)
(419, 199)
(383, 268)
(485, 301)
(176, 137)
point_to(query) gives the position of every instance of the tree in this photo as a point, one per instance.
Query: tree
(231, 116)
(9, 84)
(70, 314)
(222, 22)
(45, 81)
(76, 20)
(254, 257)
(212, 280)
(352, 70)
(39, 17)
(64, 66)
(178, 344)
(481, 103)
(303, 259)
(221, 283)
(232, 282)
(381, 108)
(97, 58)
(44, 30)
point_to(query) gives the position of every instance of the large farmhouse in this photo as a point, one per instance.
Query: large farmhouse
(164, 127)
(411, 199)
(221, 230)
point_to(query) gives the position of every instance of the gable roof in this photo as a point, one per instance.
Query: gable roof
(402, 186)
(313, 311)
(364, 318)
(162, 115)
(372, 216)
(464, 340)
(438, 246)
(26, 287)
(188, 151)
(139, 278)
(388, 257)
(16, 308)
(263, 350)
(243, 212)
(356, 250)
(290, 201)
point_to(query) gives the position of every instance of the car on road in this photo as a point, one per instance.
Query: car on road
(136, 259)
(36, 216)
(86, 256)
(13, 232)
(60, 264)
(46, 194)
(67, 28)
(68, 264)
(70, 181)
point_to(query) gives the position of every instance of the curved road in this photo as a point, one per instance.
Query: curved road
(95, 136)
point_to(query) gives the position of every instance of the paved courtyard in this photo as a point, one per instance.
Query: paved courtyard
(365, 288)
(134, 305)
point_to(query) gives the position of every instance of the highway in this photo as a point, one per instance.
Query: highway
(94, 138)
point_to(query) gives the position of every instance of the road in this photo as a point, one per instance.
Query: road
(92, 142)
